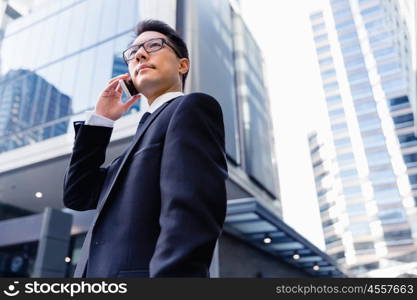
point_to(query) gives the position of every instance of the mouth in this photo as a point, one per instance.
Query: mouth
(141, 69)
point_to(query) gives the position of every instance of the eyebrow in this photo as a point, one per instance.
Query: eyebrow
(135, 44)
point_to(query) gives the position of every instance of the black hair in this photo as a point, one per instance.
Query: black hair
(173, 37)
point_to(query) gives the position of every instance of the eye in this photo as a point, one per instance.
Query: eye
(155, 44)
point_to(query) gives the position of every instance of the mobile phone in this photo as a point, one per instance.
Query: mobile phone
(128, 87)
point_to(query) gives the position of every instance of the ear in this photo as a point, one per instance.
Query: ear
(184, 65)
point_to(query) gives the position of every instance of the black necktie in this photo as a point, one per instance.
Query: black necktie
(142, 120)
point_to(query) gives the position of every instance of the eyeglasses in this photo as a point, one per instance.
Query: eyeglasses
(150, 46)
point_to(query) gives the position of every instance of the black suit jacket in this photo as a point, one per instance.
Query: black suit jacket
(161, 204)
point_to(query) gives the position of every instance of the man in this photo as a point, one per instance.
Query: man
(161, 204)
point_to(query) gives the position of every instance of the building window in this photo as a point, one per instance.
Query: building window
(352, 191)
(410, 159)
(338, 255)
(339, 2)
(403, 118)
(339, 127)
(358, 77)
(318, 27)
(354, 49)
(405, 138)
(345, 24)
(369, 123)
(345, 158)
(397, 235)
(392, 216)
(377, 24)
(348, 37)
(365, 107)
(364, 246)
(354, 64)
(331, 86)
(317, 15)
(342, 13)
(374, 39)
(336, 113)
(360, 228)
(384, 52)
(334, 99)
(324, 207)
(382, 176)
(356, 209)
(378, 157)
(328, 73)
(321, 192)
(333, 238)
(398, 100)
(413, 180)
(373, 140)
(341, 143)
(394, 66)
(348, 174)
(394, 85)
(323, 49)
(325, 61)
(387, 196)
(358, 93)
(371, 11)
(321, 37)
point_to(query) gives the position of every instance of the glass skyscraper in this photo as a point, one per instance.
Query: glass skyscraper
(365, 165)
(28, 101)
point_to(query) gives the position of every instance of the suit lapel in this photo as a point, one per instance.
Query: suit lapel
(137, 137)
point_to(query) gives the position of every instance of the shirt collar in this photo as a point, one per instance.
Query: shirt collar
(162, 99)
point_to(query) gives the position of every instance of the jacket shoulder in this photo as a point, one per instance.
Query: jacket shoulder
(199, 98)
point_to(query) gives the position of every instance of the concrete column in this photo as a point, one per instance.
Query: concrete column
(53, 245)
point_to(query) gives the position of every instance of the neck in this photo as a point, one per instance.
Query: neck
(152, 96)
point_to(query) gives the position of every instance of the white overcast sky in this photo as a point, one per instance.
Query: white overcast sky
(282, 30)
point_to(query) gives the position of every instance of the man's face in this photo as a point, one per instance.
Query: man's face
(166, 66)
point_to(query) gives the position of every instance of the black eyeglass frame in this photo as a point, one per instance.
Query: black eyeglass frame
(164, 41)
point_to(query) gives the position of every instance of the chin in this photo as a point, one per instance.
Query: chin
(146, 83)
(139, 83)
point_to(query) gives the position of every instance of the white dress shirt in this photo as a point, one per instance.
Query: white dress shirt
(98, 120)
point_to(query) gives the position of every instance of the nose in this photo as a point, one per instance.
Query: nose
(141, 53)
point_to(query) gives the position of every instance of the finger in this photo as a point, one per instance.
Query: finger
(119, 87)
(115, 80)
(109, 90)
(113, 85)
(131, 101)
(125, 75)
(119, 76)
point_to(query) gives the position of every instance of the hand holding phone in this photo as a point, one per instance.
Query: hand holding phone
(109, 102)
(128, 87)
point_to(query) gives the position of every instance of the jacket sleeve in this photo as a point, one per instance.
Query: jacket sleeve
(84, 177)
(193, 189)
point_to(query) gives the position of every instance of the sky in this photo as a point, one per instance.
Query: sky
(283, 32)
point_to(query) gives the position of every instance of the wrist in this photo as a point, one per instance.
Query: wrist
(98, 120)
(103, 115)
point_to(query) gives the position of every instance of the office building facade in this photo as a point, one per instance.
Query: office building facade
(364, 164)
